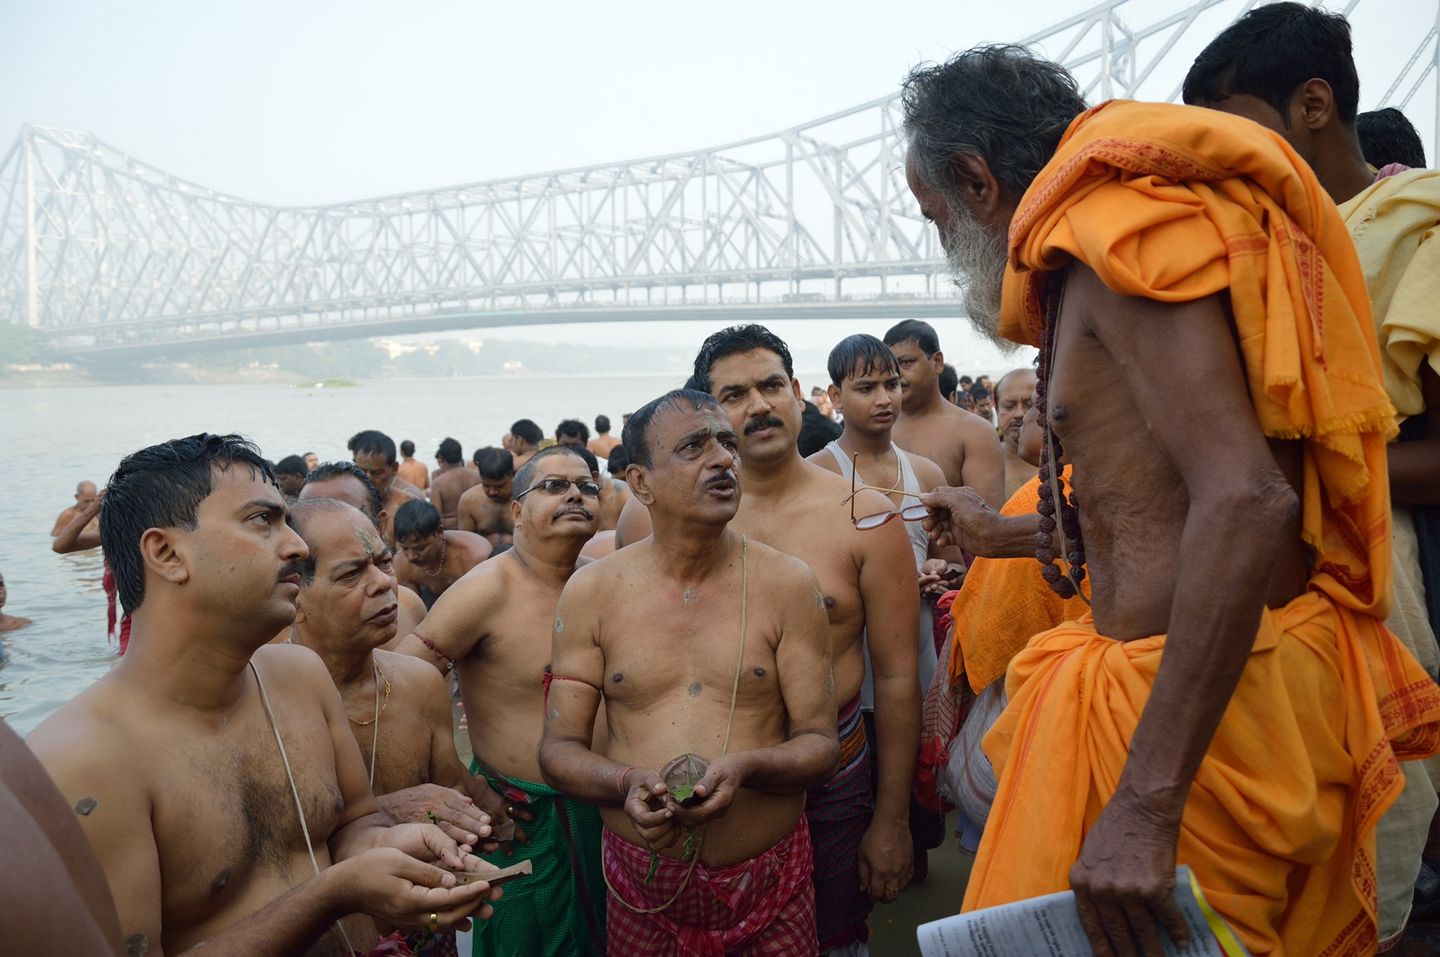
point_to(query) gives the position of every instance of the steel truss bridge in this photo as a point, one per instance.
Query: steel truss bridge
(112, 257)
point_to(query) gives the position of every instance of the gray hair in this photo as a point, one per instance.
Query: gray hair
(1000, 102)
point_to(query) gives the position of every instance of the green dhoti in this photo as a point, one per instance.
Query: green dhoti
(559, 910)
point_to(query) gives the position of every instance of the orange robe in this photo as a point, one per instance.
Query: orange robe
(1004, 604)
(1174, 204)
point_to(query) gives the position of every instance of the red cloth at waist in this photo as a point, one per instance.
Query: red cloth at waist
(764, 905)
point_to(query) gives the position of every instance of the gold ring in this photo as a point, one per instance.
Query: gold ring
(434, 922)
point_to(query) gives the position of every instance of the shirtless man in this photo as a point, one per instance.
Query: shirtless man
(290, 473)
(572, 432)
(698, 642)
(181, 760)
(604, 443)
(348, 483)
(868, 581)
(82, 531)
(9, 622)
(451, 482)
(960, 442)
(525, 439)
(432, 559)
(85, 496)
(375, 453)
(398, 707)
(494, 626)
(58, 901)
(1014, 393)
(410, 470)
(485, 509)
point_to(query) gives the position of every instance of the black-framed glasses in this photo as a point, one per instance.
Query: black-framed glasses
(907, 513)
(559, 486)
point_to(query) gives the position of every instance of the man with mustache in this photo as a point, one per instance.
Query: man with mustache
(431, 557)
(493, 627)
(867, 577)
(960, 442)
(1182, 272)
(215, 775)
(485, 509)
(702, 645)
(1014, 394)
(398, 708)
(348, 483)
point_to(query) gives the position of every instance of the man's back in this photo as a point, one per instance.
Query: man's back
(446, 490)
(414, 472)
(194, 824)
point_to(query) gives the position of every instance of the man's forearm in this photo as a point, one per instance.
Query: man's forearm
(290, 924)
(897, 734)
(802, 762)
(1219, 597)
(359, 835)
(582, 774)
(1009, 536)
(1415, 471)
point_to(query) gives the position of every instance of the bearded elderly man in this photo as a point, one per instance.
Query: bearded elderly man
(493, 626)
(1182, 270)
(1289, 67)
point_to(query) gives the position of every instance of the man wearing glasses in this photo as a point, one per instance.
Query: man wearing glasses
(867, 576)
(493, 626)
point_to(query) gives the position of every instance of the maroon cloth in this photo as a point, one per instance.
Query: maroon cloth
(763, 907)
(108, 583)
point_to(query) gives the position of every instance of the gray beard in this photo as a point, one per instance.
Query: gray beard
(976, 255)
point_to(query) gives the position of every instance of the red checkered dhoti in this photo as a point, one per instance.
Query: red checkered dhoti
(763, 907)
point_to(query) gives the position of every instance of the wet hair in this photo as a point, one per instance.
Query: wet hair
(371, 442)
(860, 355)
(291, 465)
(1387, 136)
(526, 476)
(917, 331)
(636, 436)
(729, 342)
(300, 515)
(162, 486)
(602, 424)
(573, 427)
(618, 461)
(450, 452)
(527, 431)
(329, 471)
(416, 519)
(949, 381)
(998, 102)
(1271, 52)
(817, 430)
(494, 464)
(407, 448)
(589, 458)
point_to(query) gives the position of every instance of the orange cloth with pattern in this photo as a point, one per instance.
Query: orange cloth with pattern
(1003, 604)
(1173, 204)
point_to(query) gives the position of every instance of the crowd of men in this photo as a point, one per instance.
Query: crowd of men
(1169, 598)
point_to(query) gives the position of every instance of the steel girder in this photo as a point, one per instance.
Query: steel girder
(105, 252)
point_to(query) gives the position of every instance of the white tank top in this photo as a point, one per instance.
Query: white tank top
(919, 540)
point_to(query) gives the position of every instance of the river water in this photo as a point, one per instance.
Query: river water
(55, 437)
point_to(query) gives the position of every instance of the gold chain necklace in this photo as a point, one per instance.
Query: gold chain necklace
(380, 705)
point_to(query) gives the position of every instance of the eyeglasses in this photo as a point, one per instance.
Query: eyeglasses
(559, 486)
(908, 513)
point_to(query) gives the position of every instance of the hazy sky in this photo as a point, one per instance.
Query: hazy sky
(305, 102)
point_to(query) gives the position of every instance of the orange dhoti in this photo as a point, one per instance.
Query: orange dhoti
(1279, 826)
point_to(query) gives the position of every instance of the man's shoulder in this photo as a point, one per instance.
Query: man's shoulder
(90, 727)
(824, 460)
(929, 474)
(288, 668)
(474, 495)
(780, 571)
(408, 672)
(964, 423)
